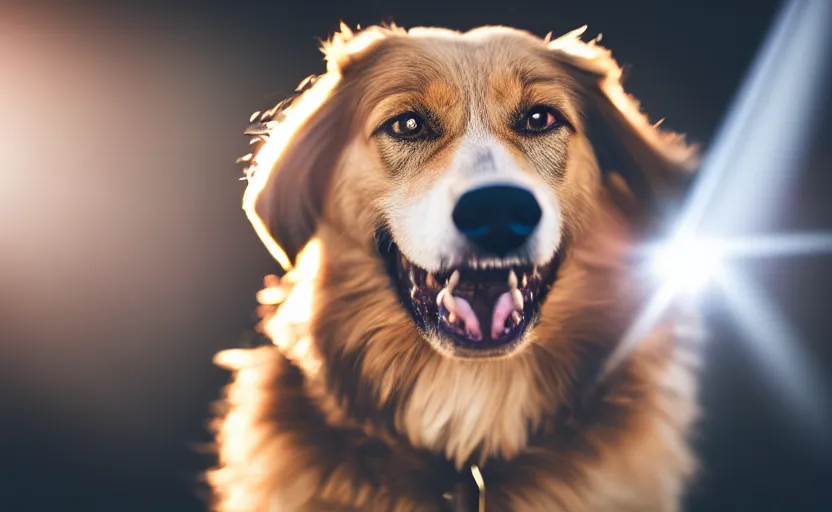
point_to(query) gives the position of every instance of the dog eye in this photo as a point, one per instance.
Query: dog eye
(539, 119)
(407, 126)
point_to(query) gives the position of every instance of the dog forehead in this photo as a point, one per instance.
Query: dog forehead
(447, 53)
(478, 66)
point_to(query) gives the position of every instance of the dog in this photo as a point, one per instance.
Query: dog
(460, 214)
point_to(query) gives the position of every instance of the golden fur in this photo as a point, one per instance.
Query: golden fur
(353, 409)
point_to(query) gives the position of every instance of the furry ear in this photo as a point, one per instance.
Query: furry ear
(290, 173)
(656, 166)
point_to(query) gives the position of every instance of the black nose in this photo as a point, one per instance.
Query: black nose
(497, 219)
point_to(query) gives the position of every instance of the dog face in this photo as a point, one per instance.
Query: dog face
(464, 164)
(477, 170)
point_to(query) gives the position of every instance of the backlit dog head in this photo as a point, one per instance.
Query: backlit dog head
(463, 165)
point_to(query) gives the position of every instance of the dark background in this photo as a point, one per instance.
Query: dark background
(127, 262)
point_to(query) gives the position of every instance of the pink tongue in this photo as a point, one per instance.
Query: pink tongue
(502, 310)
(462, 309)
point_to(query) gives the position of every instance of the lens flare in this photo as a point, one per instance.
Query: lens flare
(744, 168)
(688, 264)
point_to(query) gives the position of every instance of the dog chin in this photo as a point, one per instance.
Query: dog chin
(483, 308)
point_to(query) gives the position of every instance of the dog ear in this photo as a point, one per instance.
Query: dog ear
(656, 166)
(290, 173)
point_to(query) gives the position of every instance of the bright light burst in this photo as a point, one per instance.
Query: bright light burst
(687, 264)
(745, 162)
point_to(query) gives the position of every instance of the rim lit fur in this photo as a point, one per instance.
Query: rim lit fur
(620, 446)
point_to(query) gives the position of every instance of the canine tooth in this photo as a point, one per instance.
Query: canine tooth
(452, 281)
(431, 281)
(512, 280)
(517, 298)
(413, 292)
(517, 317)
(446, 299)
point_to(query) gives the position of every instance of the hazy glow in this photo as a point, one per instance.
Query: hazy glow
(688, 264)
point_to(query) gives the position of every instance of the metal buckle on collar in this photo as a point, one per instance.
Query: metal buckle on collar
(461, 500)
(475, 472)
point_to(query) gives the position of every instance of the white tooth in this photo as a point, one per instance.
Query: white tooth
(452, 281)
(517, 297)
(413, 293)
(512, 280)
(517, 317)
(431, 281)
(446, 299)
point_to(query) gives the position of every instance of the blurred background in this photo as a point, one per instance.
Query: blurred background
(126, 261)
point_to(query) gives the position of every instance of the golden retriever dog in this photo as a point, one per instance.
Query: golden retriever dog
(459, 213)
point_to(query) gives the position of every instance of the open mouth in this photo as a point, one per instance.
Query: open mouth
(478, 311)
